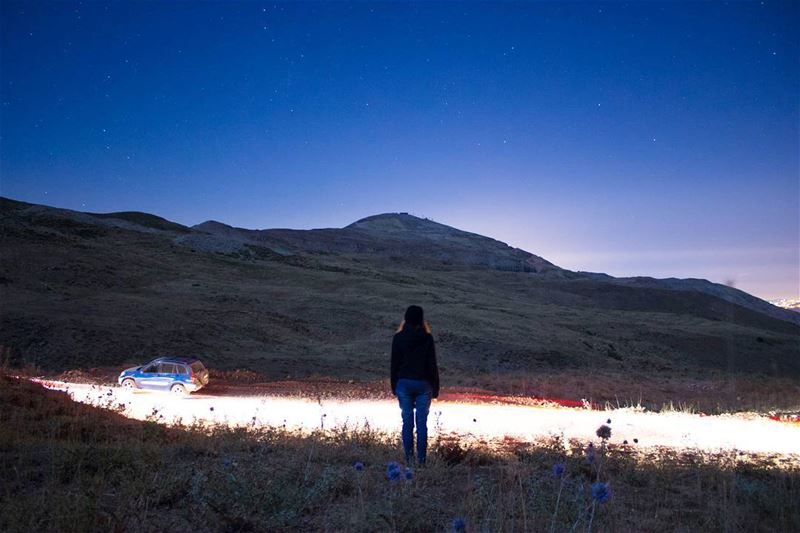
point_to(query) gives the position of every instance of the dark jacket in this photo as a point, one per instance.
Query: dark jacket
(414, 357)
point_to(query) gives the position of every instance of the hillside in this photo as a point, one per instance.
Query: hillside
(400, 238)
(82, 290)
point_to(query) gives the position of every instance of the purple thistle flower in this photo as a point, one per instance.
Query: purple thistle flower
(393, 471)
(559, 469)
(358, 465)
(604, 432)
(409, 474)
(590, 454)
(601, 492)
(459, 525)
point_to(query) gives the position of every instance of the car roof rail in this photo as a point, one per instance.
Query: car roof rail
(178, 359)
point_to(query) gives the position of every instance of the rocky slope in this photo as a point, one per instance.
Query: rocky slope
(397, 237)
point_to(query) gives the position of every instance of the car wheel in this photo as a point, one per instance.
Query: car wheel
(128, 384)
(178, 390)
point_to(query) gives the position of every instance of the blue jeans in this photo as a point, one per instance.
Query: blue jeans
(414, 394)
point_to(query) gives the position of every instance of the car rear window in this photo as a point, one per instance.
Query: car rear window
(197, 366)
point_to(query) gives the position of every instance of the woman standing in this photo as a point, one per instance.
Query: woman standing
(415, 379)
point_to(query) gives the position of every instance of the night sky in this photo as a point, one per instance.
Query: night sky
(630, 138)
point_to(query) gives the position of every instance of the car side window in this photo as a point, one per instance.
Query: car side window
(150, 369)
(167, 368)
(182, 370)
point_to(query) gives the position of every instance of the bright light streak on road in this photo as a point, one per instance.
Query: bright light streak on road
(746, 433)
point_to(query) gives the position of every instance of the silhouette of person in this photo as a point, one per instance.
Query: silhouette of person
(415, 379)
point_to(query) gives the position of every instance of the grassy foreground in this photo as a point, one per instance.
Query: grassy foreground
(70, 467)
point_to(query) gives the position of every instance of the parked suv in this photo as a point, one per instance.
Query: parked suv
(178, 375)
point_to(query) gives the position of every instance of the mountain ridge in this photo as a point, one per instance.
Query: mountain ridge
(427, 243)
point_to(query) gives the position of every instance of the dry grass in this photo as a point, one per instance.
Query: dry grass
(69, 467)
(713, 394)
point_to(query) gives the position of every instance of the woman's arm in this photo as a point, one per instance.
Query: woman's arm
(433, 368)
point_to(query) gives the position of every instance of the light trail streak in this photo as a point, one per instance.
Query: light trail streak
(486, 422)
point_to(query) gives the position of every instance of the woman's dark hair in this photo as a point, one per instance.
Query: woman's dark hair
(414, 318)
(415, 315)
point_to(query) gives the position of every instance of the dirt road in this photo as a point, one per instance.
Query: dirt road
(483, 421)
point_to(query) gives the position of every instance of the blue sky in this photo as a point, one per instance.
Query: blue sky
(640, 138)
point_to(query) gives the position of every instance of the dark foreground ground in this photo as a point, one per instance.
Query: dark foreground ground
(69, 467)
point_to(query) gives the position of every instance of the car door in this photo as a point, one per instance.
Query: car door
(149, 378)
(166, 375)
(181, 374)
